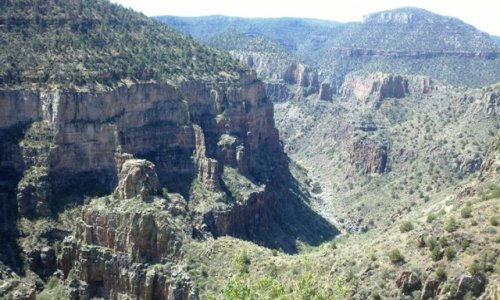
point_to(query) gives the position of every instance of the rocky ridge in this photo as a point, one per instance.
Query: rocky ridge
(403, 41)
(109, 178)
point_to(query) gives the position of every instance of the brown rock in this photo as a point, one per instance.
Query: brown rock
(374, 87)
(475, 284)
(491, 164)
(430, 289)
(367, 156)
(470, 164)
(302, 75)
(208, 168)
(112, 275)
(408, 282)
(137, 177)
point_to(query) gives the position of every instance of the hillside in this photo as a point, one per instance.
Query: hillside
(404, 41)
(286, 77)
(62, 44)
(392, 159)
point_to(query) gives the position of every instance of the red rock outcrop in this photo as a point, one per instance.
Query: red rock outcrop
(375, 87)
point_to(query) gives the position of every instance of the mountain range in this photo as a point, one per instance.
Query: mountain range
(406, 40)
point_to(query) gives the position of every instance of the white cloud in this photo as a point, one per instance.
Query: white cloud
(483, 14)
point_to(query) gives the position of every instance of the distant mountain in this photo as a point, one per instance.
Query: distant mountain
(414, 29)
(406, 40)
(292, 33)
(496, 39)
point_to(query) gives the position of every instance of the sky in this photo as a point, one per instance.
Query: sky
(482, 14)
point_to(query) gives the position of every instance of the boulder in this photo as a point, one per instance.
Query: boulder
(137, 177)
(430, 289)
(408, 282)
(467, 283)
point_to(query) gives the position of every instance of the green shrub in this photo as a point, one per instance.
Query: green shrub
(494, 221)
(269, 288)
(465, 243)
(451, 225)
(431, 217)
(436, 254)
(164, 192)
(443, 242)
(466, 212)
(441, 274)
(242, 262)
(450, 252)
(273, 270)
(431, 242)
(375, 295)
(307, 288)
(476, 268)
(406, 226)
(237, 289)
(52, 283)
(396, 257)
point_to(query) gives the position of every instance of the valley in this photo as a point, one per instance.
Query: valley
(246, 158)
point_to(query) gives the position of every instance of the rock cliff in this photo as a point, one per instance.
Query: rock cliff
(375, 87)
(63, 145)
(490, 167)
(367, 156)
(285, 78)
(76, 135)
(124, 244)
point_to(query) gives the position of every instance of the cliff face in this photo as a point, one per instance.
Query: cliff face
(140, 138)
(159, 122)
(368, 157)
(129, 243)
(377, 86)
(285, 78)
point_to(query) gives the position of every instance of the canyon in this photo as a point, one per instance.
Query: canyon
(301, 159)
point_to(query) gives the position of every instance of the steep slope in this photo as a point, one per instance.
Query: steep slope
(389, 143)
(408, 168)
(74, 47)
(404, 41)
(446, 248)
(122, 140)
(286, 77)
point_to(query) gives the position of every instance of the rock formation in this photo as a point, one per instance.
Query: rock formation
(375, 87)
(150, 121)
(282, 75)
(325, 92)
(367, 156)
(121, 244)
(137, 177)
(490, 166)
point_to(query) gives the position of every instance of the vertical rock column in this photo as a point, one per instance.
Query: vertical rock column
(208, 169)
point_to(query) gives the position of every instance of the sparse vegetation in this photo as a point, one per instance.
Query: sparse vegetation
(406, 226)
(451, 225)
(441, 274)
(466, 211)
(396, 257)
(74, 41)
